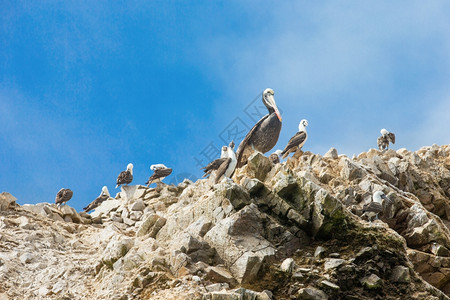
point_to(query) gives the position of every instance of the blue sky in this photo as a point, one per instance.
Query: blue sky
(88, 86)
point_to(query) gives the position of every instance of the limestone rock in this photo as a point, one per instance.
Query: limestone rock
(151, 225)
(400, 274)
(287, 265)
(6, 201)
(115, 249)
(311, 293)
(332, 153)
(371, 282)
(138, 205)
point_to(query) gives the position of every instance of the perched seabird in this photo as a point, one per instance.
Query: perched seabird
(104, 195)
(225, 165)
(298, 140)
(215, 164)
(125, 177)
(372, 209)
(275, 157)
(264, 135)
(160, 172)
(384, 139)
(229, 165)
(63, 196)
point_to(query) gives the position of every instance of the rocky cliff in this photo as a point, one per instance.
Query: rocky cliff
(288, 231)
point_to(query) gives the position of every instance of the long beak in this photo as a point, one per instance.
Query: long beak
(274, 105)
(387, 199)
(278, 113)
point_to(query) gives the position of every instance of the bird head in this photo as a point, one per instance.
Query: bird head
(269, 102)
(105, 191)
(302, 125)
(379, 196)
(384, 132)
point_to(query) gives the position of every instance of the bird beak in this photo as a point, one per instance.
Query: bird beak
(278, 113)
(387, 199)
(274, 105)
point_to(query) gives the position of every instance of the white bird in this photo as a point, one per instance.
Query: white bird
(298, 140)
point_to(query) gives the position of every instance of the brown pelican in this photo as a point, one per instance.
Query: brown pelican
(225, 165)
(63, 196)
(104, 195)
(372, 209)
(275, 157)
(125, 177)
(384, 139)
(298, 140)
(264, 135)
(160, 172)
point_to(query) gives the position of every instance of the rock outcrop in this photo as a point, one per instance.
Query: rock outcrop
(287, 231)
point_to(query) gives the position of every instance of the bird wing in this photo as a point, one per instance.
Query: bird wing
(373, 207)
(124, 177)
(95, 203)
(391, 137)
(244, 142)
(296, 140)
(214, 165)
(63, 195)
(59, 196)
(380, 142)
(159, 173)
(222, 169)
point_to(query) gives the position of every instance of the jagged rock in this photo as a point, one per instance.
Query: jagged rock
(287, 265)
(333, 263)
(26, 258)
(244, 258)
(371, 282)
(151, 225)
(332, 153)
(350, 171)
(258, 166)
(319, 252)
(311, 293)
(221, 275)
(238, 234)
(138, 205)
(217, 287)
(254, 186)
(329, 285)
(115, 249)
(439, 250)
(106, 207)
(400, 274)
(6, 201)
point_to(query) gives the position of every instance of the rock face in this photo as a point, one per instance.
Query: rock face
(285, 231)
